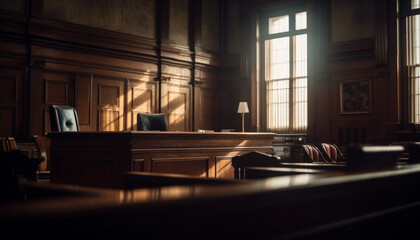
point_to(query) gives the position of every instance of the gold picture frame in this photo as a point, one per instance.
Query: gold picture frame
(355, 97)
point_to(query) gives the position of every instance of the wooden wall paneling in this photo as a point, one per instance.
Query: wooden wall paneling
(233, 30)
(175, 31)
(179, 21)
(59, 89)
(210, 25)
(234, 89)
(139, 164)
(142, 98)
(116, 152)
(324, 106)
(226, 109)
(223, 167)
(208, 34)
(84, 102)
(89, 60)
(176, 97)
(193, 166)
(135, 22)
(10, 95)
(176, 103)
(195, 24)
(206, 102)
(207, 108)
(14, 97)
(318, 75)
(381, 32)
(394, 60)
(113, 70)
(253, 67)
(37, 123)
(355, 131)
(371, 127)
(108, 104)
(177, 52)
(352, 20)
(13, 17)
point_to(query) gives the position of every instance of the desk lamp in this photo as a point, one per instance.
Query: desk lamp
(242, 109)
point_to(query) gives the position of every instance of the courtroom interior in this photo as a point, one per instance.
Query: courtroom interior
(210, 119)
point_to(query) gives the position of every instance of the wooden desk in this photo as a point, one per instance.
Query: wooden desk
(100, 158)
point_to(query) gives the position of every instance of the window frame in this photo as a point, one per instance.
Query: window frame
(406, 103)
(264, 35)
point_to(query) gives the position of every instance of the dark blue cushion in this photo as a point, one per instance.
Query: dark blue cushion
(152, 122)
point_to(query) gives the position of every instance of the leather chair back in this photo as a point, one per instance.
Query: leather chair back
(63, 119)
(152, 122)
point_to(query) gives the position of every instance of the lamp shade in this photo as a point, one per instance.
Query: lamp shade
(243, 107)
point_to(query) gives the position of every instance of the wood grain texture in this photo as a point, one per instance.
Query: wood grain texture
(87, 157)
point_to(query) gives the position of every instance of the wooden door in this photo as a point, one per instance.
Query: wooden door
(109, 104)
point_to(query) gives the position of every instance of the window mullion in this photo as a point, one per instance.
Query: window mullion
(292, 57)
(291, 77)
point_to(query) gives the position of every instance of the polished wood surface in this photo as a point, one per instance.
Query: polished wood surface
(134, 180)
(100, 158)
(379, 204)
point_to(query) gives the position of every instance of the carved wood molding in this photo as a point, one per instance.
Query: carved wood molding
(208, 58)
(197, 83)
(37, 63)
(175, 51)
(12, 22)
(61, 33)
(352, 49)
(165, 79)
(361, 73)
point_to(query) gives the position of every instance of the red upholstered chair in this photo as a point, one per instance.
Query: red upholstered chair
(332, 152)
(313, 154)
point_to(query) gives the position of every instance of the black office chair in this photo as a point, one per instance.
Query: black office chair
(253, 159)
(152, 122)
(63, 119)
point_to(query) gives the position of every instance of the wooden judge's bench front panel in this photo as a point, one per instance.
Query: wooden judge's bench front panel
(100, 158)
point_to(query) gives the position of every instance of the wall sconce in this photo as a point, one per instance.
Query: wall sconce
(242, 109)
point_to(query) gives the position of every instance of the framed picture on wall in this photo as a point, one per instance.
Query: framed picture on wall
(355, 97)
